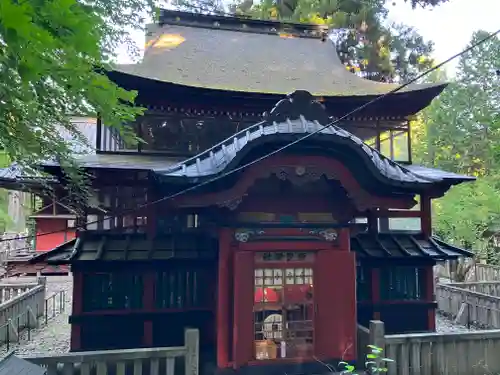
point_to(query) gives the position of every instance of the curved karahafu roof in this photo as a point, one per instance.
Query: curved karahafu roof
(253, 56)
(291, 119)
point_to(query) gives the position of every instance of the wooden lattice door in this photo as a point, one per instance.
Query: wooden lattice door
(283, 305)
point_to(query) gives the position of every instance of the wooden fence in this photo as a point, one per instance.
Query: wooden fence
(151, 361)
(467, 304)
(21, 306)
(471, 353)
(477, 272)
(485, 272)
(491, 288)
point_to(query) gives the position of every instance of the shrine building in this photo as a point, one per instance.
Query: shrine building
(274, 254)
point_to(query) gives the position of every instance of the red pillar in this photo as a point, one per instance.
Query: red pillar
(223, 301)
(148, 296)
(426, 218)
(431, 314)
(77, 309)
(148, 301)
(426, 223)
(335, 322)
(243, 281)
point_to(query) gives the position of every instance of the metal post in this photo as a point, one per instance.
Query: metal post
(46, 311)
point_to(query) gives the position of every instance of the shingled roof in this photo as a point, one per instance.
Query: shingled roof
(12, 365)
(404, 246)
(295, 117)
(109, 246)
(234, 54)
(87, 128)
(137, 247)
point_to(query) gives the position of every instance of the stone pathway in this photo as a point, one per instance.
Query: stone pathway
(53, 338)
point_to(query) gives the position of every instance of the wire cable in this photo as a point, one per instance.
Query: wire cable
(280, 149)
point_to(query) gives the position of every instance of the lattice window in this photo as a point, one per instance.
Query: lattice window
(402, 283)
(363, 283)
(283, 306)
(181, 288)
(112, 291)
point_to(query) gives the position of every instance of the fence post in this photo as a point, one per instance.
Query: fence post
(377, 338)
(377, 333)
(468, 315)
(7, 334)
(61, 301)
(192, 345)
(42, 280)
(28, 323)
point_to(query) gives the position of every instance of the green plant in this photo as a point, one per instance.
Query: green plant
(374, 363)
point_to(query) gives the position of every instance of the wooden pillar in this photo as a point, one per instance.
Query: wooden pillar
(373, 228)
(429, 294)
(372, 221)
(151, 213)
(148, 301)
(243, 281)
(375, 278)
(77, 309)
(335, 323)
(384, 221)
(223, 299)
(344, 243)
(426, 215)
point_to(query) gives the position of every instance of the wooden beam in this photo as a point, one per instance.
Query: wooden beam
(398, 213)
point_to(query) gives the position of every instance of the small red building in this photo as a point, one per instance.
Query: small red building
(275, 255)
(53, 220)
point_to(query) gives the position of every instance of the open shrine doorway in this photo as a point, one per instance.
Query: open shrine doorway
(284, 305)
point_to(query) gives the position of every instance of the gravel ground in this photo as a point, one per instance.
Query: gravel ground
(53, 338)
(445, 325)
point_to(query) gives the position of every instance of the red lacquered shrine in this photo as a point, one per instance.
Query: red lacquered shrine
(277, 262)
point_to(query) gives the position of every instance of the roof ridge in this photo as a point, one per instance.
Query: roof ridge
(224, 21)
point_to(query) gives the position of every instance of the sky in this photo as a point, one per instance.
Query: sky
(449, 26)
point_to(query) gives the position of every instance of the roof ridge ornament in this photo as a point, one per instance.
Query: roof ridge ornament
(296, 104)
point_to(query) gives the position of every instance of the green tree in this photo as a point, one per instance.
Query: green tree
(464, 215)
(462, 126)
(4, 197)
(460, 132)
(53, 57)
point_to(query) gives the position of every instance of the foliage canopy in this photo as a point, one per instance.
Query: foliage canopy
(52, 59)
(460, 132)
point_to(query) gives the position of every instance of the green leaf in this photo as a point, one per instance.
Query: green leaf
(49, 51)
